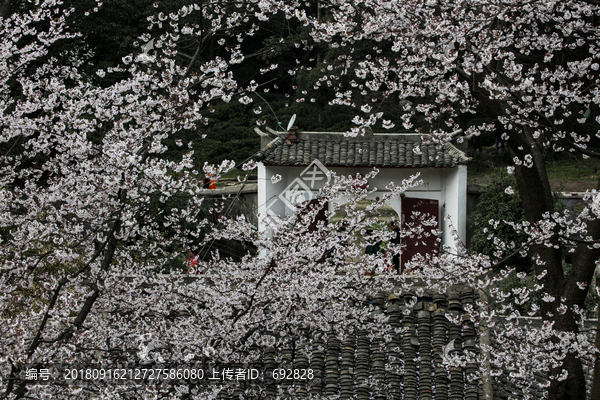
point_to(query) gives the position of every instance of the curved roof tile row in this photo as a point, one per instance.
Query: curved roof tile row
(379, 150)
(407, 365)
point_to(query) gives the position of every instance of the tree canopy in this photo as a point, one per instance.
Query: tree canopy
(101, 190)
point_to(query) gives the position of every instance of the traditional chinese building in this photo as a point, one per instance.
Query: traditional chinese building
(304, 160)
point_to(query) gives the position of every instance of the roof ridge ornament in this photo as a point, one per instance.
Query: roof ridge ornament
(291, 132)
(291, 123)
(457, 155)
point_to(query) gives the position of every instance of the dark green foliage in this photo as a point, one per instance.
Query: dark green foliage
(513, 284)
(496, 204)
(228, 136)
(230, 131)
(161, 214)
(113, 30)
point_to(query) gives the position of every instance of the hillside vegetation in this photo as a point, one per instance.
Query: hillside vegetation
(566, 172)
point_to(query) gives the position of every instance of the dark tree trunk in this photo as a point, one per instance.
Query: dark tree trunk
(535, 192)
(536, 195)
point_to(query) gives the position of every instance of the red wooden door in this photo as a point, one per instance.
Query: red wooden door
(412, 212)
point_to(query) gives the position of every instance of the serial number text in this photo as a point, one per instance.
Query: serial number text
(133, 374)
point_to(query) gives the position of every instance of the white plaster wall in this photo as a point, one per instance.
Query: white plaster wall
(268, 193)
(383, 178)
(461, 222)
(447, 185)
(455, 204)
(262, 194)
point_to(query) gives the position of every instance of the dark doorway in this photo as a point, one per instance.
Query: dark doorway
(422, 244)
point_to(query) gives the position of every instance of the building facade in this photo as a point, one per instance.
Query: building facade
(303, 162)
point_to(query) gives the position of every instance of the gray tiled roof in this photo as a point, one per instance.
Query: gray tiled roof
(348, 368)
(375, 150)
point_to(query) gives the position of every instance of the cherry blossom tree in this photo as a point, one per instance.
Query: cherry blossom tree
(92, 212)
(530, 69)
(82, 175)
